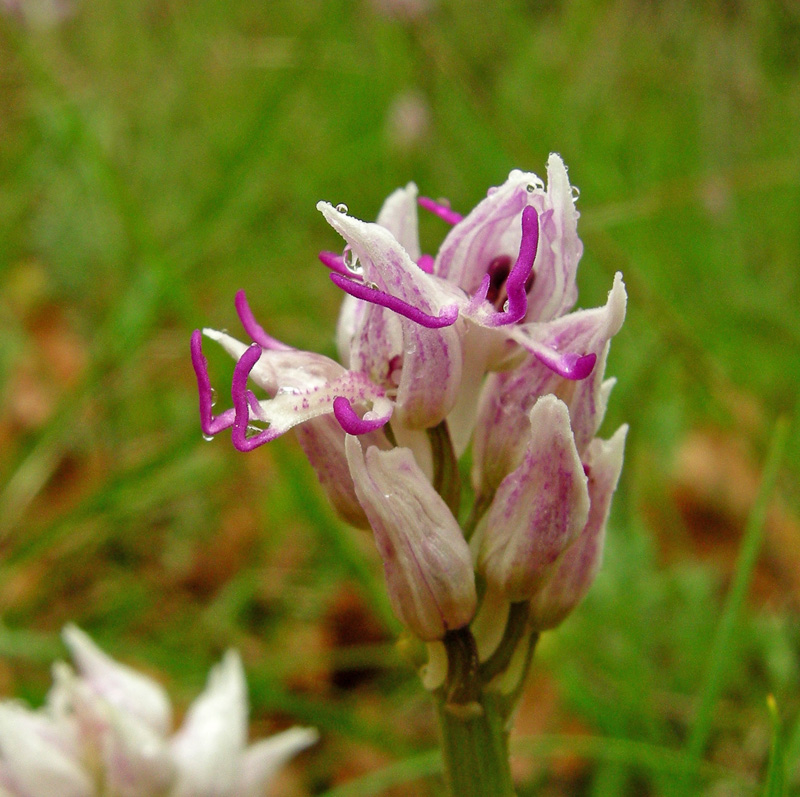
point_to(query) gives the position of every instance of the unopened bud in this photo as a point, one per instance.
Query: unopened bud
(539, 508)
(426, 560)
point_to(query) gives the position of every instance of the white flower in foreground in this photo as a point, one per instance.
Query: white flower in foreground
(105, 731)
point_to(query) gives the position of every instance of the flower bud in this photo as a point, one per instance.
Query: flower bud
(578, 567)
(121, 686)
(539, 508)
(426, 559)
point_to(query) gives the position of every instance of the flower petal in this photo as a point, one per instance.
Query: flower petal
(504, 407)
(490, 231)
(386, 264)
(399, 216)
(209, 745)
(571, 344)
(428, 357)
(426, 560)
(123, 687)
(555, 291)
(539, 508)
(305, 385)
(262, 760)
(33, 763)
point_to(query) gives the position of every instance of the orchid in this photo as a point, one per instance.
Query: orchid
(477, 345)
(105, 730)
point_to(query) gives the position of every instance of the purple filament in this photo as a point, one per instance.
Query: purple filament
(446, 318)
(335, 263)
(210, 424)
(253, 328)
(440, 210)
(517, 304)
(243, 400)
(350, 422)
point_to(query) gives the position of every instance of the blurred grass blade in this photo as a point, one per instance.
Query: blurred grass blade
(776, 772)
(721, 648)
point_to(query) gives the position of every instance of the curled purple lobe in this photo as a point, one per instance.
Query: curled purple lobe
(243, 401)
(210, 424)
(447, 316)
(293, 405)
(350, 422)
(517, 304)
(253, 328)
(439, 209)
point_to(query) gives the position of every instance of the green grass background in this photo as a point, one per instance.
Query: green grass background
(157, 156)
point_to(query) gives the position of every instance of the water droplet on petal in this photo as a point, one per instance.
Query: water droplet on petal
(351, 261)
(530, 188)
(505, 306)
(576, 192)
(342, 208)
(213, 397)
(208, 437)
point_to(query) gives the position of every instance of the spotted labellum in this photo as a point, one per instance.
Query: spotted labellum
(475, 347)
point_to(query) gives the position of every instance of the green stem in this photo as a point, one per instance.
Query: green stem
(515, 629)
(446, 478)
(475, 749)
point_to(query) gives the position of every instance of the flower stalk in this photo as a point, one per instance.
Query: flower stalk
(475, 749)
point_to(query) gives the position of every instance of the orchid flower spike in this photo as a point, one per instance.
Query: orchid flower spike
(476, 344)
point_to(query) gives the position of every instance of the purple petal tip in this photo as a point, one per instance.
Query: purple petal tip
(569, 365)
(243, 400)
(210, 424)
(253, 328)
(576, 366)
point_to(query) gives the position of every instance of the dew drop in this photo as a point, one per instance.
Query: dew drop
(505, 306)
(576, 192)
(213, 397)
(530, 188)
(351, 261)
(208, 437)
(342, 208)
